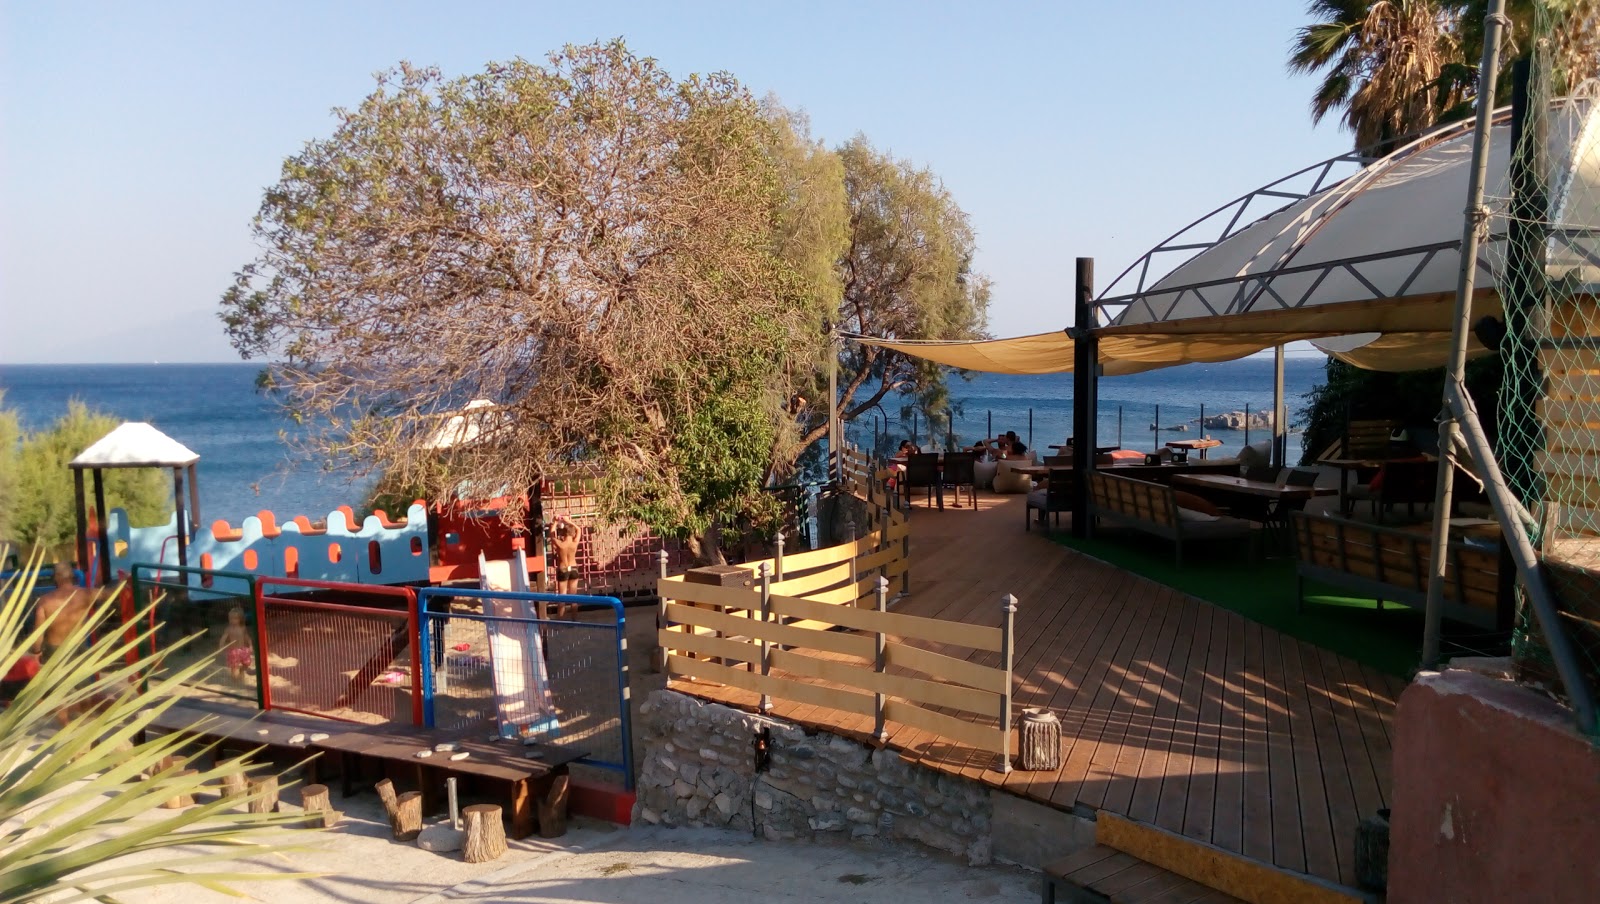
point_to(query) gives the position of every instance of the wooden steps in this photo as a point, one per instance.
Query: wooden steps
(1135, 863)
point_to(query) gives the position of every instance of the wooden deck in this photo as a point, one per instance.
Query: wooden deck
(1175, 712)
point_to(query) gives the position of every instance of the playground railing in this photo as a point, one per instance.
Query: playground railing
(184, 607)
(344, 651)
(477, 672)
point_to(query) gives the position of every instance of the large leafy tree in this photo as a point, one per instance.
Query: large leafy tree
(589, 245)
(905, 272)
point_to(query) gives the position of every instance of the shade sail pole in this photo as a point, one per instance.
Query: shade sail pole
(834, 457)
(1475, 223)
(1085, 367)
(1280, 429)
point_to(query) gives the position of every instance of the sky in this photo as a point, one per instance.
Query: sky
(136, 139)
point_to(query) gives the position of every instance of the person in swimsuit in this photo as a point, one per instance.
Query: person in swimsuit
(235, 645)
(61, 610)
(565, 537)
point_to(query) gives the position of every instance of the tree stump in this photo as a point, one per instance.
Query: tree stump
(553, 809)
(171, 763)
(234, 785)
(385, 789)
(406, 820)
(1039, 744)
(319, 810)
(486, 836)
(180, 801)
(264, 794)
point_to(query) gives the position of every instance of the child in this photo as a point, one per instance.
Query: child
(565, 536)
(236, 645)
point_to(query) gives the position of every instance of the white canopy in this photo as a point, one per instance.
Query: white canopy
(476, 418)
(135, 445)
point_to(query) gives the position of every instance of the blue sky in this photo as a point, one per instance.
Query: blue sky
(136, 139)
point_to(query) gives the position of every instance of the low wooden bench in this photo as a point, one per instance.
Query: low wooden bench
(523, 773)
(1153, 508)
(1391, 565)
(242, 729)
(1100, 874)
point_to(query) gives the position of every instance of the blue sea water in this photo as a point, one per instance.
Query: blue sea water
(246, 465)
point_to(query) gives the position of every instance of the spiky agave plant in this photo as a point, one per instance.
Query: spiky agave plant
(74, 809)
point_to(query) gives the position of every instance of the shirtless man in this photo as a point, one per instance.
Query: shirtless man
(565, 536)
(64, 609)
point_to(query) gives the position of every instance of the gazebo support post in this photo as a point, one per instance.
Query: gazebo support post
(1280, 430)
(1474, 224)
(82, 510)
(182, 516)
(103, 528)
(1085, 393)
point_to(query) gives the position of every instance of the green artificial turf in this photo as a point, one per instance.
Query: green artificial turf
(1264, 591)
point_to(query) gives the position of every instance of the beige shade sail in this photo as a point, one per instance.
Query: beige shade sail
(1041, 353)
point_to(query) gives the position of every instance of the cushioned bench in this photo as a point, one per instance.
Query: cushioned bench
(1391, 565)
(1153, 509)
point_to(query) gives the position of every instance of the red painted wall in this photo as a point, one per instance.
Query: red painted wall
(1496, 796)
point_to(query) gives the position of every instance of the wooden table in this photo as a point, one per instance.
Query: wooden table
(241, 729)
(1193, 444)
(524, 771)
(1345, 466)
(1037, 471)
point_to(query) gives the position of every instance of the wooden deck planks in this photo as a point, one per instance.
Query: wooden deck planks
(1174, 712)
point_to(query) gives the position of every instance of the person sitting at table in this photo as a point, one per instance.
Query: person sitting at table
(907, 447)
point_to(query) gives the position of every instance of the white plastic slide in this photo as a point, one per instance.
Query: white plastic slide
(516, 655)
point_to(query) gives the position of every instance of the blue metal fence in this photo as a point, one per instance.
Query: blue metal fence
(583, 642)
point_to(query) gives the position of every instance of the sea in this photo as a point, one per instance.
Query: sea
(249, 460)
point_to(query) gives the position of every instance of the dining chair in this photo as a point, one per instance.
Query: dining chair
(922, 470)
(959, 472)
(1300, 477)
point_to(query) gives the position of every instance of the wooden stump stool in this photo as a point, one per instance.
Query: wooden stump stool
(180, 801)
(406, 820)
(235, 785)
(1039, 744)
(386, 795)
(264, 794)
(486, 835)
(319, 810)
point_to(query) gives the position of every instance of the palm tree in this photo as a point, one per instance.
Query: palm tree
(1381, 62)
(76, 799)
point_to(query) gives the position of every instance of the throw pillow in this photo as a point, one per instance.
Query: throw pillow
(1195, 504)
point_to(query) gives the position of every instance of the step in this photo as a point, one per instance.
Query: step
(1136, 863)
(1105, 874)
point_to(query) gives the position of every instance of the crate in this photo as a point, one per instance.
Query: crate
(721, 576)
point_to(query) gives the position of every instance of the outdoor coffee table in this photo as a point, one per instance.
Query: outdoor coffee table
(523, 772)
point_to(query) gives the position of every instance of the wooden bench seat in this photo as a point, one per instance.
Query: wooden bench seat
(1101, 874)
(1391, 565)
(1153, 508)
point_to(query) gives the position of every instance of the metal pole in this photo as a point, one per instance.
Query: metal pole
(1475, 222)
(833, 408)
(1156, 429)
(659, 660)
(183, 516)
(1247, 423)
(1119, 426)
(766, 616)
(881, 660)
(1280, 438)
(989, 434)
(104, 523)
(1030, 426)
(949, 429)
(1202, 419)
(1508, 511)
(1085, 364)
(1008, 609)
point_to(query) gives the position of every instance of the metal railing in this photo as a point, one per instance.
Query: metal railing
(183, 608)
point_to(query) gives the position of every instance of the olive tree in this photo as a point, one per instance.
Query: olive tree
(589, 245)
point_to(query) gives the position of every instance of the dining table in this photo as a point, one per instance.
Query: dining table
(1266, 501)
(1192, 445)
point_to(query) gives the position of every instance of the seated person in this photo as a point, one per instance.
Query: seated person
(980, 450)
(907, 447)
(1015, 448)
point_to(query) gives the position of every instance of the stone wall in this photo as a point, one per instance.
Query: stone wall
(698, 769)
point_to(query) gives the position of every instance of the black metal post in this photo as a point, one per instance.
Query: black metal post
(1085, 377)
(183, 516)
(1524, 292)
(83, 522)
(103, 525)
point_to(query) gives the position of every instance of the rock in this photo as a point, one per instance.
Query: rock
(695, 807)
(915, 808)
(689, 771)
(831, 822)
(764, 800)
(846, 781)
(824, 803)
(803, 752)
(682, 789)
(724, 805)
(649, 815)
(863, 831)
(980, 852)
(706, 753)
(856, 814)
(440, 839)
(773, 833)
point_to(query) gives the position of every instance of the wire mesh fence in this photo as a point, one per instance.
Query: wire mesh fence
(341, 651)
(195, 603)
(1545, 253)
(539, 667)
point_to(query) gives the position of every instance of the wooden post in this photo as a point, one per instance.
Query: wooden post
(486, 835)
(406, 820)
(1008, 606)
(318, 809)
(82, 507)
(264, 794)
(386, 795)
(777, 560)
(553, 808)
(879, 734)
(180, 801)
(658, 660)
(766, 616)
(104, 526)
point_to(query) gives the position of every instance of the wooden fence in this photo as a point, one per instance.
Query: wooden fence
(814, 628)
